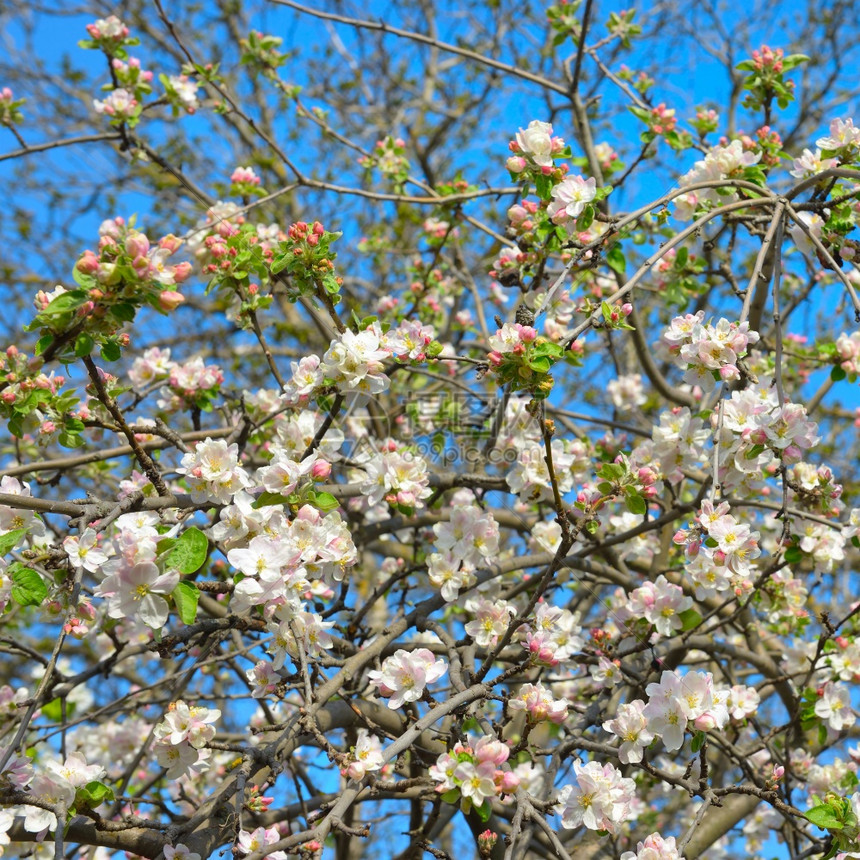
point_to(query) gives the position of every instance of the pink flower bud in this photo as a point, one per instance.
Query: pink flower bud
(169, 300)
(321, 470)
(516, 164)
(137, 245)
(627, 309)
(170, 243)
(705, 722)
(88, 264)
(489, 749)
(181, 271)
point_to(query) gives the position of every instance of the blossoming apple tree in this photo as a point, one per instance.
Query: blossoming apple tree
(513, 518)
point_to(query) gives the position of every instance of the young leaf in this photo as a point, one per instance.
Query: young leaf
(189, 553)
(10, 540)
(615, 259)
(28, 587)
(185, 596)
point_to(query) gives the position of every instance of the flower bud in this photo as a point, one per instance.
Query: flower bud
(169, 300)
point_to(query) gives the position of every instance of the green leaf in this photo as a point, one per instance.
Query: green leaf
(189, 553)
(10, 540)
(451, 796)
(793, 555)
(615, 259)
(124, 311)
(698, 740)
(825, 817)
(28, 588)
(110, 351)
(94, 794)
(690, 618)
(681, 257)
(83, 345)
(484, 811)
(635, 503)
(66, 302)
(43, 344)
(326, 502)
(543, 187)
(53, 710)
(837, 374)
(586, 219)
(266, 498)
(185, 596)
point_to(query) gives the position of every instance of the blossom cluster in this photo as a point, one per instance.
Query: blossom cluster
(600, 798)
(720, 551)
(720, 162)
(553, 635)
(469, 539)
(181, 738)
(127, 272)
(474, 771)
(676, 703)
(708, 353)
(404, 675)
(534, 148)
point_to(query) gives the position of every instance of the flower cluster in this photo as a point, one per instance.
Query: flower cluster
(389, 156)
(399, 476)
(354, 362)
(766, 83)
(708, 353)
(601, 798)
(721, 162)
(674, 703)
(33, 401)
(523, 359)
(127, 272)
(660, 603)
(473, 772)
(180, 738)
(720, 549)
(534, 148)
(213, 471)
(654, 847)
(10, 113)
(405, 675)
(470, 538)
(366, 756)
(132, 78)
(844, 139)
(553, 636)
(181, 93)
(538, 704)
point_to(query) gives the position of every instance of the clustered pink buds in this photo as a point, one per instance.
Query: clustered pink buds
(765, 58)
(303, 232)
(663, 119)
